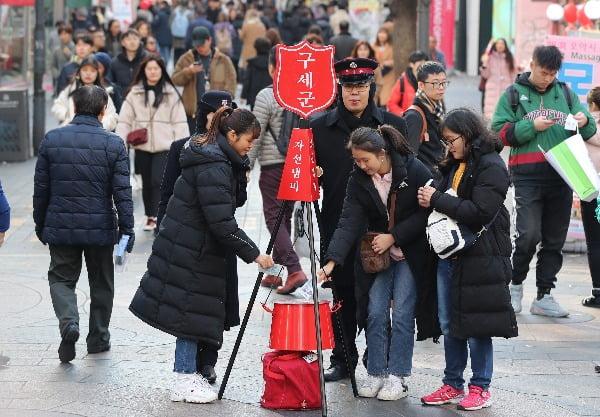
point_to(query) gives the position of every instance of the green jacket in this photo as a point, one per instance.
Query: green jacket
(516, 129)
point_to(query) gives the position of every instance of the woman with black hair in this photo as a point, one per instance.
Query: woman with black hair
(472, 287)
(154, 103)
(113, 38)
(184, 289)
(380, 197)
(207, 355)
(87, 74)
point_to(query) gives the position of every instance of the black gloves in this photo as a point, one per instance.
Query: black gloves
(131, 234)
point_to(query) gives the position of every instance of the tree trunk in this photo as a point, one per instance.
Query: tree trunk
(404, 34)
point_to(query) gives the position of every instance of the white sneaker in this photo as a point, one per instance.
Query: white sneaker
(192, 388)
(370, 386)
(516, 297)
(547, 306)
(394, 388)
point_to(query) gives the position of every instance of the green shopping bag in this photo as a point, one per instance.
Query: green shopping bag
(572, 162)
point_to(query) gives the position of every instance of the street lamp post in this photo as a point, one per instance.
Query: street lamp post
(39, 68)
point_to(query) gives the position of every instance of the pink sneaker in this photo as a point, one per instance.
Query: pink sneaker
(476, 400)
(445, 395)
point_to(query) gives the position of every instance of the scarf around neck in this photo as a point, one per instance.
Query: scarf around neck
(353, 122)
(436, 108)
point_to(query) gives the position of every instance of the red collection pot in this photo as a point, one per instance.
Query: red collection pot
(293, 325)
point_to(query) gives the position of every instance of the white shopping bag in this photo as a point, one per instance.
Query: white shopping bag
(572, 162)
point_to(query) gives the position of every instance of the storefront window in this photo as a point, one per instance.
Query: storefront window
(16, 31)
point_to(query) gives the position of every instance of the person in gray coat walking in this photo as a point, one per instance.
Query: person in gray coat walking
(270, 114)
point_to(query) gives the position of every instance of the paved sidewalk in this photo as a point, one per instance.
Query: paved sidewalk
(547, 371)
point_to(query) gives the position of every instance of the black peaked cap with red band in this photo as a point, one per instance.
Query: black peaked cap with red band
(355, 70)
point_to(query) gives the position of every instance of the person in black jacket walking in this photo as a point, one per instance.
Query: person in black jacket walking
(473, 295)
(125, 65)
(81, 173)
(161, 29)
(183, 292)
(257, 76)
(344, 42)
(331, 130)
(383, 185)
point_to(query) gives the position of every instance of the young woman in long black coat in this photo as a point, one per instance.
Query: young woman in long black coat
(183, 292)
(386, 174)
(473, 296)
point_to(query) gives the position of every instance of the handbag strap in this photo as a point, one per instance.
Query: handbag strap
(392, 211)
(487, 226)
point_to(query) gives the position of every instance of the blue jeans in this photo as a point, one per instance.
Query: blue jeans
(185, 356)
(393, 358)
(165, 52)
(457, 350)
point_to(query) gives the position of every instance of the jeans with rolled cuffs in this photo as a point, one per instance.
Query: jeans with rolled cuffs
(391, 357)
(457, 350)
(185, 356)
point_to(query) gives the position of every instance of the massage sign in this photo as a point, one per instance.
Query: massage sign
(304, 83)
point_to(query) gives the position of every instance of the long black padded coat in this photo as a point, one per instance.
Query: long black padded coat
(480, 298)
(184, 289)
(363, 209)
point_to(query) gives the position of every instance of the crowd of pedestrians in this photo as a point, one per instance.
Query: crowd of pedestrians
(389, 151)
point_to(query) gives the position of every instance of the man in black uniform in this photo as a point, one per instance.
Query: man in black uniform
(331, 130)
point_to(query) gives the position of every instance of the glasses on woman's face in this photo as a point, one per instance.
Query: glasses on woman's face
(358, 87)
(450, 141)
(438, 85)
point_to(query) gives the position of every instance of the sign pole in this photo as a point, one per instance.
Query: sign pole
(338, 319)
(304, 124)
(313, 272)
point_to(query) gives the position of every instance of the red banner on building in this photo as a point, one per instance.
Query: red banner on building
(17, 2)
(442, 15)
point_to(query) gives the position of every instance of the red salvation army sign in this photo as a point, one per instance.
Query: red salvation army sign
(304, 81)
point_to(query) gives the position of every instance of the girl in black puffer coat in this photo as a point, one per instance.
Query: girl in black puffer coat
(473, 296)
(183, 292)
(384, 184)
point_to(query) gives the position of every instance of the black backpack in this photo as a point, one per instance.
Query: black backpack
(513, 96)
(289, 120)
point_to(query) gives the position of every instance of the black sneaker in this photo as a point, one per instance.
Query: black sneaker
(66, 350)
(98, 349)
(208, 372)
(591, 301)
